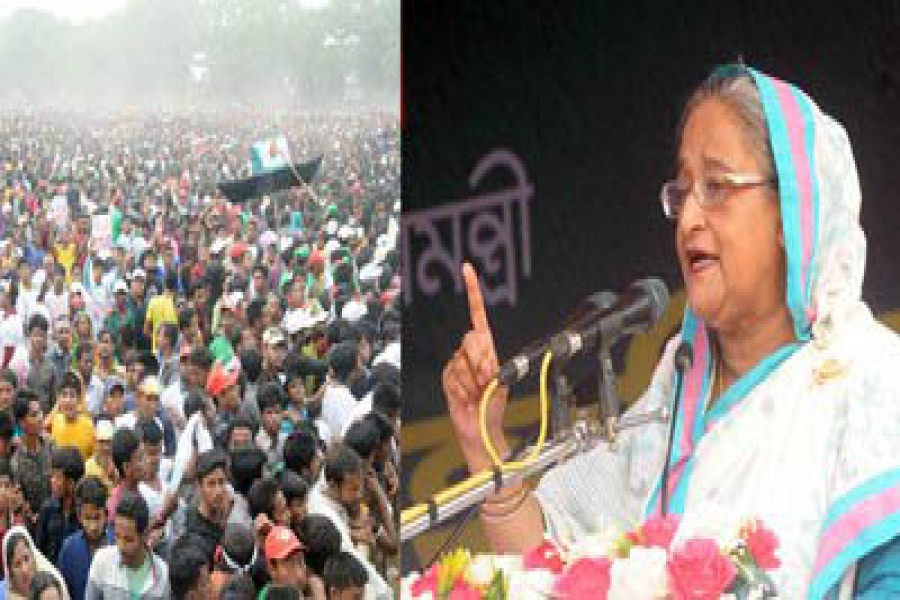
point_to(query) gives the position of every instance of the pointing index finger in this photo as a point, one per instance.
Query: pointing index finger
(476, 304)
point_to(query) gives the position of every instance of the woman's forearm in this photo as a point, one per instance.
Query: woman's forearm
(514, 524)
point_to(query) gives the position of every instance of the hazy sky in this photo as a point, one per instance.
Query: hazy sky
(76, 11)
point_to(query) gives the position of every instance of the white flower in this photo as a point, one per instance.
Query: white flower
(595, 545)
(483, 566)
(535, 584)
(721, 526)
(641, 576)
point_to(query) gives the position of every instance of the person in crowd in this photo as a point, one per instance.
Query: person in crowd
(21, 562)
(34, 366)
(58, 518)
(70, 424)
(129, 569)
(12, 502)
(338, 402)
(130, 463)
(206, 520)
(271, 435)
(284, 558)
(45, 586)
(78, 549)
(239, 555)
(161, 309)
(345, 578)
(296, 491)
(189, 575)
(303, 453)
(101, 464)
(31, 461)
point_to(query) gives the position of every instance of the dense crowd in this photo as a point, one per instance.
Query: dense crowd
(199, 398)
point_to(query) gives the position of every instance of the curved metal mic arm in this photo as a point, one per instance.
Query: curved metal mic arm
(583, 436)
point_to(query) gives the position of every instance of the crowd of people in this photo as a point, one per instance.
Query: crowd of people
(199, 398)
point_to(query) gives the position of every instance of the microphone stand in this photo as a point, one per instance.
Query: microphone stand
(562, 402)
(610, 404)
(583, 436)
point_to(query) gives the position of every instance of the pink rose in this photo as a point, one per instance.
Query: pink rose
(699, 571)
(426, 583)
(544, 556)
(762, 544)
(464, 591)
(585, 579)
(659, 531)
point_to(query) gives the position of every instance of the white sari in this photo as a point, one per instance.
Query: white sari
(809, 440)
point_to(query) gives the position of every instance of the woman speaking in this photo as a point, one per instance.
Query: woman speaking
(790, 409)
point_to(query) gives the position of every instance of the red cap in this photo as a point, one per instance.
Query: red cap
(238, 249)
(281, 543)
(315, 258)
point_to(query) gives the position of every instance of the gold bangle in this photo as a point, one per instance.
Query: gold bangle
(504, 515)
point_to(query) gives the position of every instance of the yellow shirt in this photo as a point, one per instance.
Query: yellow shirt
(65, 256)
(161, 309)
(92, 467)
(79, 433)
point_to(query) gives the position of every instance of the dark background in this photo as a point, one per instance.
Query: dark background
(589, 95)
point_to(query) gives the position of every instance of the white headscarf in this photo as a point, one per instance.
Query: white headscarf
(41, 564)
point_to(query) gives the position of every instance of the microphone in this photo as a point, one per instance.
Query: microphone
(517, 368)
(638, 309)
(684, 358)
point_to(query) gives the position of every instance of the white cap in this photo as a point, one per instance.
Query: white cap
(268, 237)
(77, 288)
(139, 273)
(331, 227)
(296, 320)
(345, 232)
(354, 310)
(331, 246)
(218, 245)
(120, 286)
(370, 272)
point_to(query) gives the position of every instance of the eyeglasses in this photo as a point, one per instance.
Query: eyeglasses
(714, 190)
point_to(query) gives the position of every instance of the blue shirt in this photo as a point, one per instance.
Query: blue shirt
(74, 562)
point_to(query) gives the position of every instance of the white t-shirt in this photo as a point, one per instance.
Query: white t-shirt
(338, 405)
(57, 305)
(390, 354)
(12, 331)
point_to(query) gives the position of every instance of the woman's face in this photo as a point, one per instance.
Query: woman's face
(22, 568)
(731, 254)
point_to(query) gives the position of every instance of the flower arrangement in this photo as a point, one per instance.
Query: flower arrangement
(643, 563)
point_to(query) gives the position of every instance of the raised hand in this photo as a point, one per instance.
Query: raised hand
(467, 374)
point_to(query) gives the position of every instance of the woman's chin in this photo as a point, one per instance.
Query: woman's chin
(703, 305)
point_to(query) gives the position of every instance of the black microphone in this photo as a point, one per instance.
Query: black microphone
(684, 358)
(517, 368)
(638, 309)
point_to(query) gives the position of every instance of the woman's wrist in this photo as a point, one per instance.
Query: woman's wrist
(476, 454)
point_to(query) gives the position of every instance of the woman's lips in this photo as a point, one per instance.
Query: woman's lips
(699, 261)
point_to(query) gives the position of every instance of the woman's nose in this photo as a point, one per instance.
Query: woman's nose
(692, 214)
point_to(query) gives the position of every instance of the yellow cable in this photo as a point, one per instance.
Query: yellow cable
(414, 512)
(486, 398)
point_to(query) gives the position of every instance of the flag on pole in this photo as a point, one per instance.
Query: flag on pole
(257, 186)
(268, 155)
